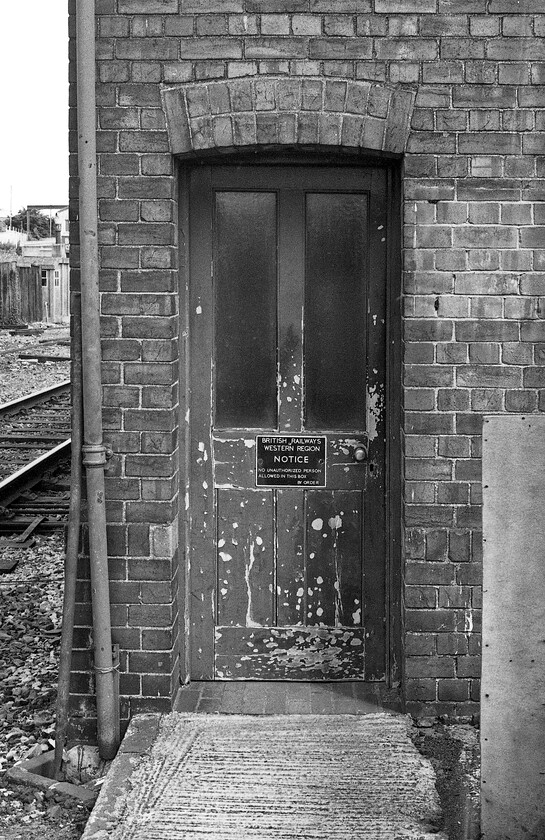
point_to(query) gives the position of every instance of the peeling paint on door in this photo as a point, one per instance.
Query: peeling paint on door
(375, 409)
(293, 653)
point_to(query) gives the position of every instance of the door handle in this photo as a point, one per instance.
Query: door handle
(361, 453)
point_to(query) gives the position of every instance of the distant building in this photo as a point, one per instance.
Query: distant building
(10, 236)
(61, 228)
(51, 254)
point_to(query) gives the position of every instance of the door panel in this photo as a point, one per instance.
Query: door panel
(333, 594)
(290, 570)
(245, 275)
(245, 559)
(335, 301)
(287, 337)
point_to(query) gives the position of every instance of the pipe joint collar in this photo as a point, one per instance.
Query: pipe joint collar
(95, 455)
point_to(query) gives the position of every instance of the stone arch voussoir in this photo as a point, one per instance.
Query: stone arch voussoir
(286, 112)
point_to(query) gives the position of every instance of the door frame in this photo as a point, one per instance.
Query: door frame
(394, 356)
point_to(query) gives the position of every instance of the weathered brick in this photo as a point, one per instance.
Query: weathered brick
(212, 25)
(158, 688)
(486, 307)
(423, 667)
(420, 644)
(420, 597)
(452, 353)
(149, 373)
(341, 48)
(159, 489)
(455, 690)
(307, 128)
(431, 621)
(148, 7)
(404, 72)
(421, 690)
(453, 493)
(455, 597)
(469, 516)
(489, 376)
(430, 515)
(124, 592)
(121, 350)
(436, 541)
(143, 141)
(430, 572)
(427, 375)
(486, 331)
(115, 257)
(160, 443)
(137, 49)
(119, 164)
(517, 354)
(468, 666)
(157, 640)
(459, 544)
(197, 101)
(340, 6)
(420, 492)
(270, 47)
(118, 210)
(422, 423)
(452, 399)
(405, 6)
(116, 118)
(484, 353)
(149, 187)
(449, 446)
(137, 304)
(151, 511)
(149, 663)
(420, 399)
(414, 545)
(521, 401)
(114, 71)
(452, 644)
(427, 468)
(146, 72)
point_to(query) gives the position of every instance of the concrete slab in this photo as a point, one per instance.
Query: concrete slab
(513, 664)
(38, 773)
(314, 777)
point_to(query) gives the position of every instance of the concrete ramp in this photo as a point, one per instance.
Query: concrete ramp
(274, 778)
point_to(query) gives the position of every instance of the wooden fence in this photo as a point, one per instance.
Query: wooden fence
(20, 294)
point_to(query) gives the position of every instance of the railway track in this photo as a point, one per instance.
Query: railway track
(35, 461)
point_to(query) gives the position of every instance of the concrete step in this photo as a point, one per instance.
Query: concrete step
(281, 777)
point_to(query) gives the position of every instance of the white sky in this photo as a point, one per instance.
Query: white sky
(34, 103)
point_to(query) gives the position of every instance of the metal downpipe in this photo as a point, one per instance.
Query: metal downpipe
(72, 540)
(94, 451)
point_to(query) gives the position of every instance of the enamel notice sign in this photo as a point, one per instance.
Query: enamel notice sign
(290, 461)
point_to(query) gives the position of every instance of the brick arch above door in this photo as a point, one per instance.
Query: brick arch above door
(287, 111)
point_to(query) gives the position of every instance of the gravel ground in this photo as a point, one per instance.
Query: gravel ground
(19, 377)
(454, 752)
(30, 619)
(31, 612)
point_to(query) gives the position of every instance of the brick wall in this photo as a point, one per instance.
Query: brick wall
(474, 285)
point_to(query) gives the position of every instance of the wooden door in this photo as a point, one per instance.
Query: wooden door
(287, 391)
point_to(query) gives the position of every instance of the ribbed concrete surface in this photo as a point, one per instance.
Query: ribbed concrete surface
(308, 777)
